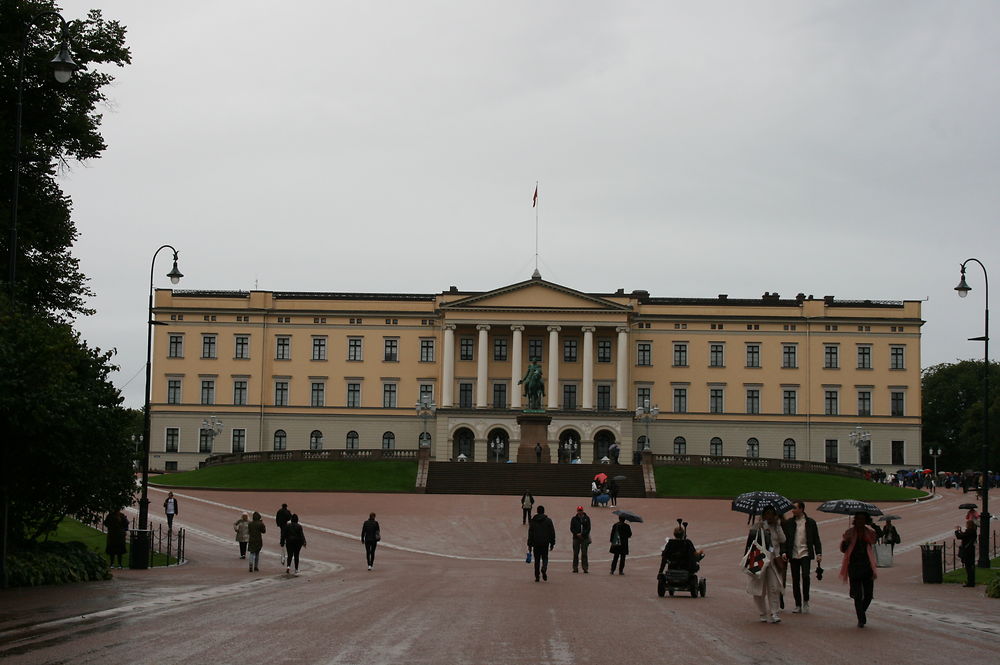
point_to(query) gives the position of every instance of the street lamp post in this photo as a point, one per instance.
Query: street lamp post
(175, 276)
(647, 415)
(425, 409)
(497, 446)
(984, 517)
(571, 447)
(63, 67)
(858, 437)
(935, 453)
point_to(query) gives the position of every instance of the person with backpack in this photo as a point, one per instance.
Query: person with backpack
(541, 540)
(579, 526)
(255, 540)
(295, 540)
(527, 502)
(620, 533)
(281, 518)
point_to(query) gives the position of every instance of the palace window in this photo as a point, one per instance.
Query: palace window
(176, 348)
(499, 395)
(281, 393)
(831, 403)
(716, 355)
(316, 440)
(465, 348)
(239, 440)
(603, 398)
(753, 400)
(896, 359)
(208, 391)
(353, 395)
(715, 447)
(832, 451)
(319, 348)
(239, 392)
(896, 401)
(753, 355)
(604, 350)
(753, 448)
(644, 353)
(715, 404)
(172, 439)
(317, 396)
(352, 441)
(388, 441)
(208, 346)
(242, 347)
(391, 350)
(535, 349)
(355, 349)
(789, 402)
(569, 350)
(427, 350)
(788, 359)
(680, 354)
(864, 403)
(500, 349)
(680, 446)
(282, 347)
(569, 396)
(864, 356)
(280, 439)
(173, 391)
(389, 396)
(680, 400)
(465, 395)
(788, 449)
(831, 356)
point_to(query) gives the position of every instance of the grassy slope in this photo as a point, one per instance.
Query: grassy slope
(71, 530)
(983, 576)
(346, 476)
(727, 483)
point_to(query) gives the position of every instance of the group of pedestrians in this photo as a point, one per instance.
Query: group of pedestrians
(250, 532)
(542, 540)
(794, 544)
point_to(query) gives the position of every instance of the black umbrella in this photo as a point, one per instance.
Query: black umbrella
(620, 478)
(886, 518)
(628, 515)
(754, 503)
(850, 507)
(968, 506)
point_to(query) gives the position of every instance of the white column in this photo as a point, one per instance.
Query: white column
(588, 367)
(448, 378)
(481, 367)
(515, 367)
(621, 369)
(553, 387)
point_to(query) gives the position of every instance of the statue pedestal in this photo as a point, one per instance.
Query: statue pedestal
(534, 430)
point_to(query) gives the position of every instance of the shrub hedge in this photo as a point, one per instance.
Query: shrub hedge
(36, 564)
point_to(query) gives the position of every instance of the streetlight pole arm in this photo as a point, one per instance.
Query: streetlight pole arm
(984, 525)
(146, 426)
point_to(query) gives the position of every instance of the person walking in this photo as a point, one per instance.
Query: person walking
(527, 501)
(967, 551)
(242, 529)
(170, 509)
(858, 566)
(595, 491)
(579, 526)
(116, 525)
(613, 491)
(538, 453)
(620, 533)
(370, 535)
(281, 518)
(295, 540)
(541, 540)
(802, 545)
(255, 540)
(766, 587)
(890, 536)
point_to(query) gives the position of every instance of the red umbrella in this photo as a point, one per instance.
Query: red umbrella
(601, 477)
(928, 471)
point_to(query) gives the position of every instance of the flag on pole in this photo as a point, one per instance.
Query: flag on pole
(534, 199)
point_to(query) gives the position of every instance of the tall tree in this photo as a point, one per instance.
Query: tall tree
(67, 438)
(953, 413)
(60, 125)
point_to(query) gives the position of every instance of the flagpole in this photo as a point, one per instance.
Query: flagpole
(534, 204)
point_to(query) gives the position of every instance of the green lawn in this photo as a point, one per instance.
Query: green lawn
(334, 475)
(71, 530)
(680, 481)
(983, 576)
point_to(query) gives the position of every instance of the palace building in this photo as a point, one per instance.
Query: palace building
(772, 377)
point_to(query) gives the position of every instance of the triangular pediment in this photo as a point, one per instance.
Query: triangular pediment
(535, 294)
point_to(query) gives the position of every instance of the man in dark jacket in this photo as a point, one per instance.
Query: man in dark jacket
(541, 540)
(579, 526)
(282, 518)
(802, 545)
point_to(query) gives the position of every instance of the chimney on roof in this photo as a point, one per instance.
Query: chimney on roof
(453, 289)
(800, 297)
(828, 300)
(723, 296)
(620, 292)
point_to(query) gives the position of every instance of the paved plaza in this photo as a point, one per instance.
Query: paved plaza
(450, 586)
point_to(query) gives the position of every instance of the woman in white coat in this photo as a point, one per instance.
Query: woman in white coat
(766, 588)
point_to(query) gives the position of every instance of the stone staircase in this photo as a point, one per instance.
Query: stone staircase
(539, 479)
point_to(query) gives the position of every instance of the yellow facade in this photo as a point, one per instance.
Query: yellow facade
(768, 377)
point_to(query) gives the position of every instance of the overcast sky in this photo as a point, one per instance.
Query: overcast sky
(844, 148)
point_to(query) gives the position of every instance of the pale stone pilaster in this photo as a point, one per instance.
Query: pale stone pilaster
(481, 366)
(515, 367)
(588, 367)
(621, 369)
(448, 376)
(553, 387)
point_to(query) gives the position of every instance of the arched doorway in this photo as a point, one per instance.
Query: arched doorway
(463, 443)
(499, 453)
(602, 443)
(569, 446)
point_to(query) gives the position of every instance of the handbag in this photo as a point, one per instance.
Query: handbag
(756, 559)
(527, 557)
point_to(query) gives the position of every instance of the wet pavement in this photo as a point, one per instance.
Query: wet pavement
(450, 586)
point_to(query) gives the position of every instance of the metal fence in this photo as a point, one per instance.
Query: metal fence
(951, 558)
(165, 541)
(764, 463)
(310, 455)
